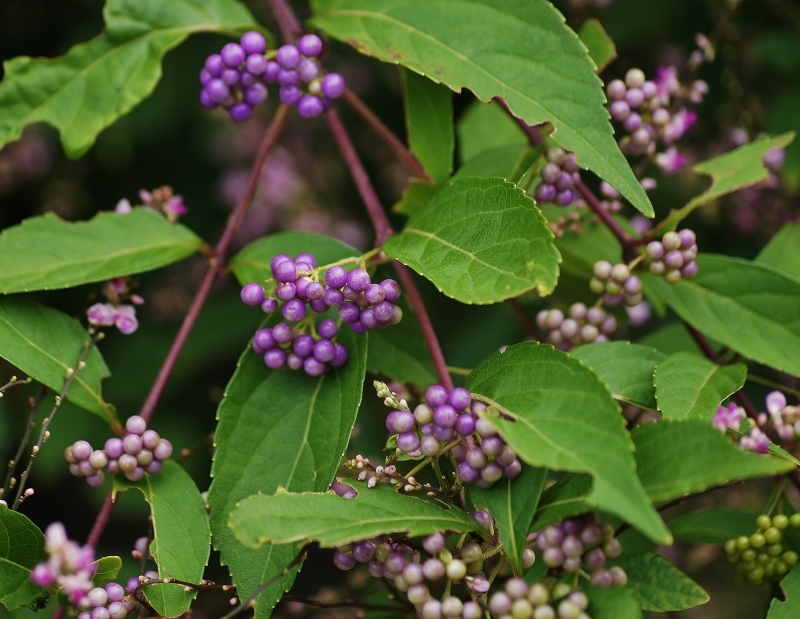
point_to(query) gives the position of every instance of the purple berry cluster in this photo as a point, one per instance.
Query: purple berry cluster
(362, 304)
(673, 257)
(616, 284)
(140, 451)
(520, 600)
(282, 346)
(69, 568)
(582, 325)
(559, 176)
(108, 602)
(237, 77)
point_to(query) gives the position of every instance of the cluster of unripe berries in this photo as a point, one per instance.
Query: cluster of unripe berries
(108, 602)
(140, 451)
(559, 175)
(761, 557)
(616, 284)
(236, 78)
(519, 600)
(673, 257)
(581, 326)
(579, 543)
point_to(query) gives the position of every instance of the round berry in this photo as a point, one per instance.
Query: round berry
(310, 45)
(253, 42)
(333, 85)
(336, 277)
(252, 293)
(232, 55)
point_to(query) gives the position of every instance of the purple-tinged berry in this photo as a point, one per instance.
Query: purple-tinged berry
(333, 85)
(310, 45)
(252, 293)
(287, 56)
(253, 42)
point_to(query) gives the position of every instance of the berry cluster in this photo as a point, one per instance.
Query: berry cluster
(579, 542)
(140, 451)
(108, 602)
(582, 326)
(673, 257)
(761, 557)
(236, 78)
(282, 346)
(559, 176)
(520, 600)
(784, 418)
(616, 284)
(69, 567)
(362, 304)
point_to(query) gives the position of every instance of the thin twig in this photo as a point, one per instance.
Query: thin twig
(628, 244)
(13, 382)
(23, 442)
(346, 604)
(291, 30)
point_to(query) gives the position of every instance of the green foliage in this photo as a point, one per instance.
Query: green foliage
(689, 386)
(95, 83)
(181, 534)
(529, 56)
(713, 526)
(565, 418)
(601, 48)
(107, 570)
(21, 548)
(416, 195)
(790, 607)
(783, 251)
(479, 241)
(485, 127)
(658, 585)
(565, 498)
(46, 252)
(508, 162)
(612, 603)
(44, 343)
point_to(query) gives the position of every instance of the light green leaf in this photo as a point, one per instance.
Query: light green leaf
(508, 162)
(713, 526)
(658, 585)
(21, 548)
(730, 172)
(626, 368)
(790, 607)
(676, 458)
(567, 497)
(483, 127)
(512, 502)
(601, 48)
(611, 603)
(748, 307)
(181, 534)
(564, 418)
(46, 252)
(95, 83)
(783, 251)
(429, 122)
(479, 240)
(44, 343)
(107, 570)
(283, 518)
(520, 50)
(689, 386)
(415, 196)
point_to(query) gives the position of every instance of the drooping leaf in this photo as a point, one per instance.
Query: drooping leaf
(483, 127)
(512, 502)
(612, 603)
(790, 607)
(601, 48)
(626, 368)
(429, 122)
(46, 252)
(713, 526)
(676, 458)
(730, 172)
(689, 386)
(479, 240)
(751, 308)
(416, 195)
(21, 548)
(278, 428)
(181, 534)
(783, 251)
(658, 585)
(44, 343)
(508, 162)
(567, 497)
(97, 82)
(107, 570)
(284, 517)
(564, 418)
(528, 56)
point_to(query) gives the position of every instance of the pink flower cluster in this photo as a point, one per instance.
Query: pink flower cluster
(106, 314)
(730, 418)
(160, 199)
(70, 567)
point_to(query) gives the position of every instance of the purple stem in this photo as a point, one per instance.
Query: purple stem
(628, 244)
(291, 30)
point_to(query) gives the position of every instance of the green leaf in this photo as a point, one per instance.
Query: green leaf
(564, 418)
(283, 518)
(626, 368)
(512, 502)
(107, 570)
(485, 127)
(689, 386)
(567, 497)
(416, 195)
(612, 603)
(181, 534)
(658, 585)
(21, 548)
(44, 343)
(46, 252)
(479, 240)
(429, 122)
(279, 428)
(676, 458)
(789, 608)
(508, 162)
(520, 50)
(746, 306)
(713, 526)
(95, 83)
(730, 172)
(601, 48)
(783, 251)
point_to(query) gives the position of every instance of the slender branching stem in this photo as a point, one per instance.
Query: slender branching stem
(290, 27)
(23, 442)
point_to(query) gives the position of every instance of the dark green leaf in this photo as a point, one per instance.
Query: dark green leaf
(508, 162)
(181, 534)
(520, 50)
(485, 127)
(713, 526)
(416, 195)
(479, 240)
(601, 48)
(44, 343)
(86, 90)
(21, 548)
(567, 497)
(612, 603)
(751, 308)
(790, 608)
(626, 368)
(783, 251)
(658, 585)
(565, 418)
(107, 570)
(46, 252)
(512, 502)
(670, 339)
(676, 458)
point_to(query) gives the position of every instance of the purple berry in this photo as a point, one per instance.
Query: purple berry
(286, 292)
(255, 94)
(391, 290)
(253, 42)
(358, 280)
(465, 424)
(436, 395)
(274, 358)
(333, 297)
(232, 55)
(383, 311)
(132, 444)
(368, 319)
(285, 271)
(340, 357)
(408, 442)
(403, 421)
(113, 448)
(255, 64)
(283, 333)
(357, 327)
(468, 474)
(318, 305)
(303, 345)
(154, 467)
(217, 90)
(269, 306)
(252, 293)
(363, 551)
(271, 72)
(206, 101)
(241, 112)
(310, 106)
(314, 367)
(310, 45)
(336, 277)
(333, 85)
(307, 70)
(287, 56)
(324, 351)
(214, 65)
(294, 310)
(460, 398)
(289, 94)
(349, 312)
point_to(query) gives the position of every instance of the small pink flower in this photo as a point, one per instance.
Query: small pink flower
(671, 161)
(667, 83)
(175, 207)
(101, 314)
(728, 418)
(126, 319)
(776, 402)
(123, 206)
(755, 441)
